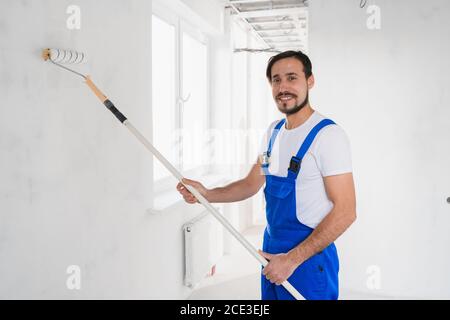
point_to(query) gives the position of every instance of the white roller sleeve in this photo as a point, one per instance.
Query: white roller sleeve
(208, 206)
(67, 56)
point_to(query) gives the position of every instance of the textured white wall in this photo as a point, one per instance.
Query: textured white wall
(388, 88)
(74, 184)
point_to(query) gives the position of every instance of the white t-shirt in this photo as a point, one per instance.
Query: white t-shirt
(328, 155)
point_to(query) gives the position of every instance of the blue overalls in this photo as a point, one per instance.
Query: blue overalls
(317, 277)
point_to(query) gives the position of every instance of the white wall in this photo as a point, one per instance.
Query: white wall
(211, 12)
(388, 89)
(75, 185)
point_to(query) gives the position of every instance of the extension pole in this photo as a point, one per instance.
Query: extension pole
(179, 177)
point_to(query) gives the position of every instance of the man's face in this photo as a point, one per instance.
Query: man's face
(289, 85)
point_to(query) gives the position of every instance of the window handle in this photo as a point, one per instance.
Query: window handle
(181, 100)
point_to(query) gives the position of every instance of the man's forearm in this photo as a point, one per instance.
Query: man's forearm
(334, 224)
(236, 191)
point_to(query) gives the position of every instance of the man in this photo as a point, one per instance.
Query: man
(309, 190)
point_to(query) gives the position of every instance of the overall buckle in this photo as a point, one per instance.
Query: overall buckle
(295, 164)
(265, 159)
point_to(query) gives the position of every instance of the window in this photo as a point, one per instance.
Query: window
(163, 93)
(179, 97)
(195, 103)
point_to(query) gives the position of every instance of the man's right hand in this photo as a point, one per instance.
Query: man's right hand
(187, 195)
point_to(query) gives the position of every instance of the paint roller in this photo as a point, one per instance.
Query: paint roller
(59, 57)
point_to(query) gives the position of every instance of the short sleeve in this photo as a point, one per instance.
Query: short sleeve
(333, 152)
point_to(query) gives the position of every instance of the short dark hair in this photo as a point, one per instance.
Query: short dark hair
(303, 58)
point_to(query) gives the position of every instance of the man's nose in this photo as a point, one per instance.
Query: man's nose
(283, 87)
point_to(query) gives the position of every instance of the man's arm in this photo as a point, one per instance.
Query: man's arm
(235, 191)
(341, 191)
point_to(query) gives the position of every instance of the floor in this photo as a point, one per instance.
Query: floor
(243, 283)
(231, 282)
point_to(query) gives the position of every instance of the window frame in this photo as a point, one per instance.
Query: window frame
(182, 26)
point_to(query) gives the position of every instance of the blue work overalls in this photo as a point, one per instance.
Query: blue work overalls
(317, 277)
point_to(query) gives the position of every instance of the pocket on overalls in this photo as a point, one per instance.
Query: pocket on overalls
(279, 189)
(280, 198)
(316, 267)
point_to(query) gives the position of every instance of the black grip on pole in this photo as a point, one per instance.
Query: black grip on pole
(114, 110)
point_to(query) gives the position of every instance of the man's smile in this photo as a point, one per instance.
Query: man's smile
(286, 97)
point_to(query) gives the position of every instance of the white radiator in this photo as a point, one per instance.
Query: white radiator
(203, 247)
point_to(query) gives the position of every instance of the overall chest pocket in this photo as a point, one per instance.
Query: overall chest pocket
(279, 187)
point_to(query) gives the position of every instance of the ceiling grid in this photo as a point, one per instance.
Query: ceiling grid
(279, 25)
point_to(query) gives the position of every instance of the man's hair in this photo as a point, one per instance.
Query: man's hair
(303, 58)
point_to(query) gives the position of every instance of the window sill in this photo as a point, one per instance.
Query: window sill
(163, 201)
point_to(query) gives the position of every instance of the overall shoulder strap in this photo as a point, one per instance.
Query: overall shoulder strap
(274, 135)
(296, 161)
(275, 131)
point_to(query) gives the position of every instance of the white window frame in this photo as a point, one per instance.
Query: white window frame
(196, 34)
(182, 26)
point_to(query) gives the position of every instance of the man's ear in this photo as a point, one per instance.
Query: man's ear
(311, 81)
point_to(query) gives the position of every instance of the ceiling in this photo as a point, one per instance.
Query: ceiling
(279, 25)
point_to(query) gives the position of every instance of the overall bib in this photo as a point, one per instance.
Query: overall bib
(317, 277)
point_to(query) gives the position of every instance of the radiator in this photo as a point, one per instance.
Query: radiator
(203, 247)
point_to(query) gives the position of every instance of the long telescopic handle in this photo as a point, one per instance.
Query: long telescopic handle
(179, 177)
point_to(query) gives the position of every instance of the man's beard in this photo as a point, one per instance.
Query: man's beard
(296, 108)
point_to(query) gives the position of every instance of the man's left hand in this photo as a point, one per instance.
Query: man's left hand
(279, 268)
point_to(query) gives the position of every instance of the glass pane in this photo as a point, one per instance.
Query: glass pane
(195, 109)
(163, 93)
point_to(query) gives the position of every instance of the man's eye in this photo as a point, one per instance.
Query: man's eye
(275, 80)
(292, 78)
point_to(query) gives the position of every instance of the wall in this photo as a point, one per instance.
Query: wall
(75, 185)
(211, 12)
(388, 90)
